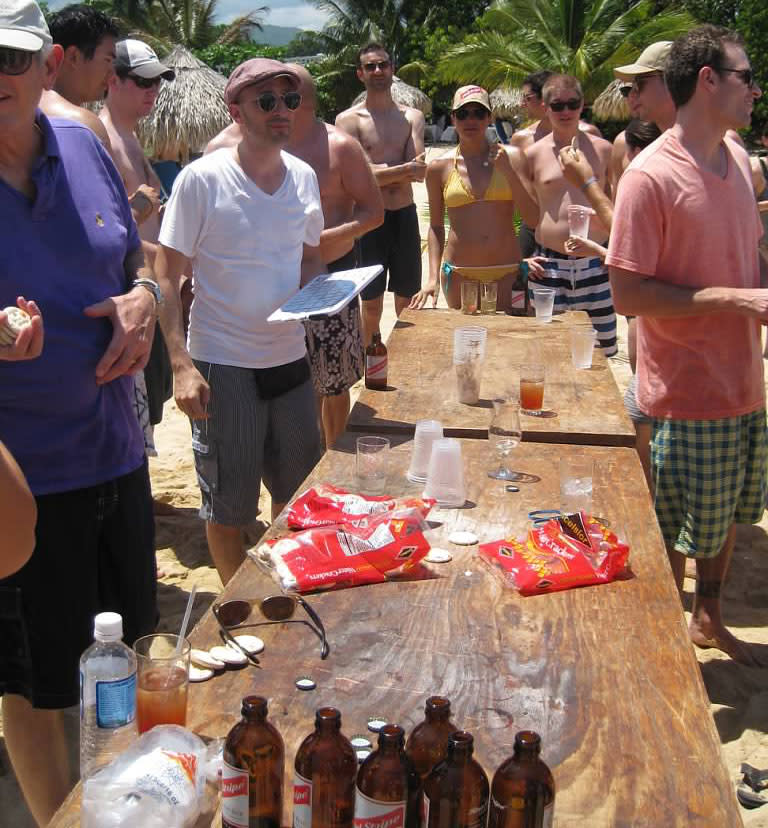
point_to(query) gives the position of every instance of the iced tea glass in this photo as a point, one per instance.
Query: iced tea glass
(163, 680)
(531, 388)
(469, 296)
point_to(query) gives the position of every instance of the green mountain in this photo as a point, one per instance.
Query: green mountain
(275, 35)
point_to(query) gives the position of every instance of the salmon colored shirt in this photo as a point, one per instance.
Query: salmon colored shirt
(679, 223)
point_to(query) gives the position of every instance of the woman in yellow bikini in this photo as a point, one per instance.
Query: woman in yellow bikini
(479, 185)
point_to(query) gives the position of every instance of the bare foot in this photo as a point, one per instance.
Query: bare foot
(741, 652)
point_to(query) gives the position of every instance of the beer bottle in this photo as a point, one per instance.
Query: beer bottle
(428, 741)
(456, 791)
(387, 784)
(520, 301)
(376, 364)
(325, 774)
(252, 770)
(523, 790)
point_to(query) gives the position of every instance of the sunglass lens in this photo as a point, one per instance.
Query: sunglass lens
(14, 61)
(267, 101)
(232, 613)
(278, 607)
(292, 100)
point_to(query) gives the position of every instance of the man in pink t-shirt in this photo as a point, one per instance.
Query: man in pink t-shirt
(683, 258)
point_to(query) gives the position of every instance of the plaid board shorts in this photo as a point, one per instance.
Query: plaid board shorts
(708, 475)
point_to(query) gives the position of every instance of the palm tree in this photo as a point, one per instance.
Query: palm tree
(585, 38)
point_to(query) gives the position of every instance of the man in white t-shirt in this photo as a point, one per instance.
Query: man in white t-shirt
(249, 218)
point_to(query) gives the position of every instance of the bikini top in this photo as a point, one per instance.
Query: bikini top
(456, 193)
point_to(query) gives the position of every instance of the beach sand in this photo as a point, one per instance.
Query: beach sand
(738, 695)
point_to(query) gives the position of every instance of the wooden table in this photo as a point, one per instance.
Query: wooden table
(581, 406)
(605, 674)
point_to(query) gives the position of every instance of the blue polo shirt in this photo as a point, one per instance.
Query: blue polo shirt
(66, 251)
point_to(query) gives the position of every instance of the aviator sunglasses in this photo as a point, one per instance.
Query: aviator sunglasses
(145, 83)
(572, 103)
(747, 76)
(14, 61)
(478, 113)
(381, 65)
(268, 101)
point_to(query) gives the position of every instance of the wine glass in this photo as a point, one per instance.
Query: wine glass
(505, 433)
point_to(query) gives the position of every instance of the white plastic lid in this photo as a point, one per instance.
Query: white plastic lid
(108, 626)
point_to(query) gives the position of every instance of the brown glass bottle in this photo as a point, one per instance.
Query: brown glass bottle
(387, 785)
(520, 301)
(456, 791)
(326, 771)
(252, 770)
(428, 743)
(376, 364)
(523, 790)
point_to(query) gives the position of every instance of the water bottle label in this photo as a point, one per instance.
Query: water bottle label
(371, 813)
(376, 367)
(234, 796)
(302, 802)
(116, 702)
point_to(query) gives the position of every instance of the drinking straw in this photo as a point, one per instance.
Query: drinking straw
(185, 620)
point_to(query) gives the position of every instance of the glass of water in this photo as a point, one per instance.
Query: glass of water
(576, 475)
(505, 435)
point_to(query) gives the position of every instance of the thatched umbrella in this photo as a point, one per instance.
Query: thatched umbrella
(507, 103)
(188, 112)
(610, 104)
(403, 93)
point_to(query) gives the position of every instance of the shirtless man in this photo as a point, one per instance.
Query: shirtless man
(581, 283)
(393, 137)
(352, 206)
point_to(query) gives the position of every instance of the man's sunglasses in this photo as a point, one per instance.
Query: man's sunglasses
(145, 83)
(625, 90)
(747, 76)
(478, 113)
(639, 83)
(277, 609)
(268, 101)
(572, 103)
(381, 65)
(14, 61)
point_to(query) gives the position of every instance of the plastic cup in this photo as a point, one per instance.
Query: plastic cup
(488, 297)
(427, 431)
(582, 346)
(544, 302)
(372, 464)
(162, 672)
(445, 477)
(469, 343)
(576, 475)
(469, 300)
(578, 220)
(531, 388)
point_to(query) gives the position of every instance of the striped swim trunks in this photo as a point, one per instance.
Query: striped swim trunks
(708, 475)
(582, 285)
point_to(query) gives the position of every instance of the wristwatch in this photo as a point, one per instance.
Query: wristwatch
(152, 287)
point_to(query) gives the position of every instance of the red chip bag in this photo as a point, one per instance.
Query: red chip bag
(326, 505)
(569, 551)
(333, 557)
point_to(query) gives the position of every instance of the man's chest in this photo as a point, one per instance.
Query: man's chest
(384, 138)
(132, 164)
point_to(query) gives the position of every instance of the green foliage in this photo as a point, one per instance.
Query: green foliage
(224, 57)
(306, 43)
(752, 22)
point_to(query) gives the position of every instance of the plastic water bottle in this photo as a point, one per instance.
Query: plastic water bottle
(107, 695)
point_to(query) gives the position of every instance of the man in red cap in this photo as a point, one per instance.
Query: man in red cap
(249, 218)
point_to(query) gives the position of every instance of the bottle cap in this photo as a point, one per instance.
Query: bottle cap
(108, 626)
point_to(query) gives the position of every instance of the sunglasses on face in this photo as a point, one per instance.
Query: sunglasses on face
(640, 83)
(381, 65)
(14, 61)
(477, 113)
(746, 76)
(267, 101)
(625, 90)
(146, 83)
(531, 96)
(277, 609)
(572, 103)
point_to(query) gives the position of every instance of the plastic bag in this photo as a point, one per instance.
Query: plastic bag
(569, 551)
(369, 551)
(157, 783)
(326, 505)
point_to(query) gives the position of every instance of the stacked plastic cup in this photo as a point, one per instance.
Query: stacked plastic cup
(427, 431)
(544, 302)
(468, 356)
(445, 477)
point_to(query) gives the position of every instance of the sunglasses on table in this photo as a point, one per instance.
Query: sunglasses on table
(746, 76)
(381, 65)
(267, 101)
(478, 113)
(572, 103)
(14, 61)
(145, 83)
(276, 609)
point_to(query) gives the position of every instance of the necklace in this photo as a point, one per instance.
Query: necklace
(484, 163)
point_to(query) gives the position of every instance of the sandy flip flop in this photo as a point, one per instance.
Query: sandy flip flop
(752, 791)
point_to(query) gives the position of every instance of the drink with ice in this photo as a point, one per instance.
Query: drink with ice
(576, 495)
(578, 220)
(161, 698)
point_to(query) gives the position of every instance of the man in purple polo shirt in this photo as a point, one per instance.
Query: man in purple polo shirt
(67, 239)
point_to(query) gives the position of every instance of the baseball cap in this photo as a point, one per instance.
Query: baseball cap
(470, 94)
(22, 26)
(256, 70)
(134, 57)
(652, 59)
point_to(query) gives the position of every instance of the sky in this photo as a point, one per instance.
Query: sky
(281, 12)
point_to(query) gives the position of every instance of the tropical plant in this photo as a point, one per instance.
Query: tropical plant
(585, 38)
(224, 57)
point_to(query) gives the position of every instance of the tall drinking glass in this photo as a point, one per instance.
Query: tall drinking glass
(505, 434)
(531, 388)
(163, 680)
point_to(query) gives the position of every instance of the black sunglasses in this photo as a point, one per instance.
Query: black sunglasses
(268, 101)
(277, 609)
(625, 90)
(747, 76)
(14, 61)
(381, 65)
(479, 113)
(145, 83)
(572, 103)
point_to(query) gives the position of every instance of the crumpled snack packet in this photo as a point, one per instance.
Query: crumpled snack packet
(370, 551)
(569, 551)
(326, 505)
